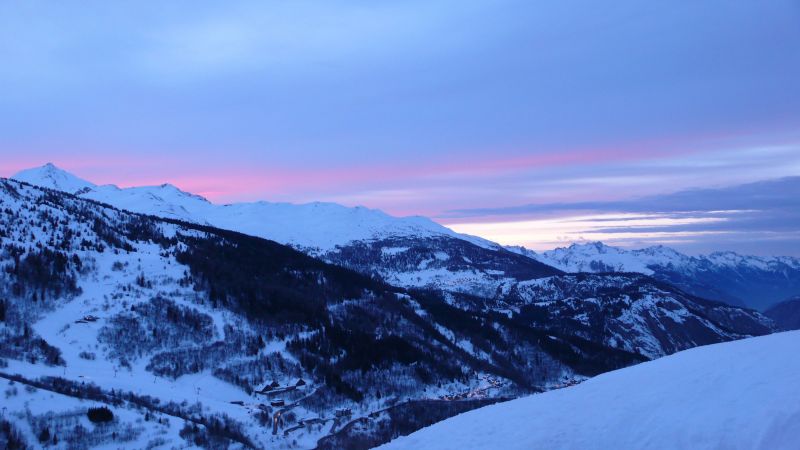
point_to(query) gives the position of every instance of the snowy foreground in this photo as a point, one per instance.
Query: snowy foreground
(736, 395)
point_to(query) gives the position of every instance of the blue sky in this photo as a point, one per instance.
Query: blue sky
(416, 107)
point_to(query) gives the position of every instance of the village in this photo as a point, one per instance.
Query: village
(279, 406)
(278, 400)
(486, 384)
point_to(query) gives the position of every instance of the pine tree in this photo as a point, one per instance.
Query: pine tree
(44, 436)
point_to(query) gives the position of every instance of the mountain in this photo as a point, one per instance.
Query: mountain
(189, 333)
(752, 281)
(631, 312)
(736, 395)
(52, 177)
(786, 314)
(316, 227)
(598, 257)
(407, 251)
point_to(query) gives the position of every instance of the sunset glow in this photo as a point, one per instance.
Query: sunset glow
(409, 110)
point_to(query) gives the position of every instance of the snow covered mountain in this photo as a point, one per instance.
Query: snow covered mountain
(52, 177)
(752, 281)
(315, 227)
(406, 251)
(631, 312)
(183, 329)
(598, 257)
(736, 395)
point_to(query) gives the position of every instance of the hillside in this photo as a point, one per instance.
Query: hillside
(786, 314)
(736, 395)
(630, 311)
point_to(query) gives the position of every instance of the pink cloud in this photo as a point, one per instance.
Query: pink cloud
(445, 180)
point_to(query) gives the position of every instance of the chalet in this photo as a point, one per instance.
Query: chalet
(344, 412)
(269, 388)
(301, 382)
(278, 403)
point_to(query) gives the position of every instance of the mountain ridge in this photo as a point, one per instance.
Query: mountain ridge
(166, 200)
(742, 280)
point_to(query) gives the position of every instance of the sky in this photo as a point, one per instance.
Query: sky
(527, 122)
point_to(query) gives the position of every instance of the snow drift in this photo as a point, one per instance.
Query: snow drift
(736, 395)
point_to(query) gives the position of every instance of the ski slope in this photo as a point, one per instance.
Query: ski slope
(736, 395)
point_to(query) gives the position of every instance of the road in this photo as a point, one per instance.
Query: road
(277, 416)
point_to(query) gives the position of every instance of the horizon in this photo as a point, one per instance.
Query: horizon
(528, 124)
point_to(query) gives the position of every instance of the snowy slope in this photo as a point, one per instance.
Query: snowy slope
(736, 395)
(316, 227)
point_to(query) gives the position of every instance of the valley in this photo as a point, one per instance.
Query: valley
(203, 335)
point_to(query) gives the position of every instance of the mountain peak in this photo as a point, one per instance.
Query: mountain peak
(52, 177)
(591, 247)
(175, 190)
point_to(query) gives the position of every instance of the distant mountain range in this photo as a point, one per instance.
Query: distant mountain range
(751, 281)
